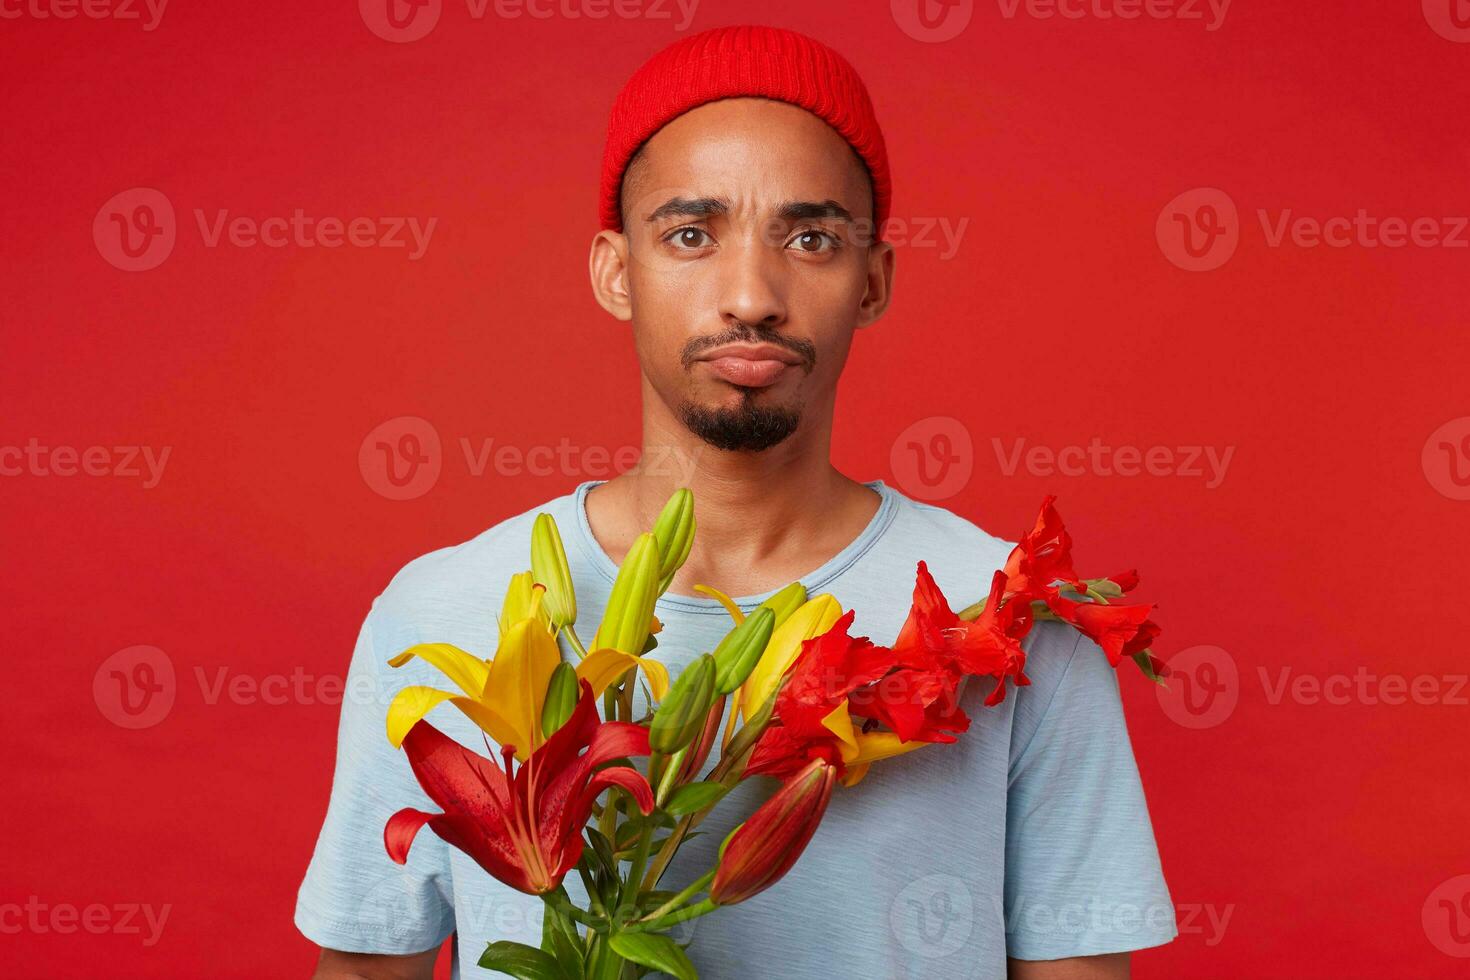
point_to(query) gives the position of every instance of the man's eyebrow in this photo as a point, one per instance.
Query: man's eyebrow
(685, 207)
(801, 210)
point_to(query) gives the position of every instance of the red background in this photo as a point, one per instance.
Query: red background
(1321, 829)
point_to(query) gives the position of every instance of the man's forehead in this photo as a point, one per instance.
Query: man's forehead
(747, 149)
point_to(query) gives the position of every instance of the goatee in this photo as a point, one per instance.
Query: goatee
(745, 428)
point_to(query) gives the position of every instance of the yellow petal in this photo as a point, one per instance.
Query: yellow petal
(658, 676)
(854, 775)
(603, 666)
(519, 676)
(723, 600)
(839, 723)
(815, 617)
(871, 746)
(466, 670)
(412, 703)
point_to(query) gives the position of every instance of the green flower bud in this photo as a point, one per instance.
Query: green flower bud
(786, 602)
(629, 614)
(741, 649)
(549, 565)
(561, 697)
(674, 531)
(681, 717)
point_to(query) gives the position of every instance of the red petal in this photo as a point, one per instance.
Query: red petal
(401, 829)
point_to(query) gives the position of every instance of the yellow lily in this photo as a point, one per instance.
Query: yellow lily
(813, 618)
(504, 697)
(521, 602)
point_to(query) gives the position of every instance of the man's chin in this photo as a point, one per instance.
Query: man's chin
(747, 427)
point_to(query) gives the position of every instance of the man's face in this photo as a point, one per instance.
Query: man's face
(748, 266)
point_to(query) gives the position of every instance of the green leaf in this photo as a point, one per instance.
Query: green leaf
(693, 796)
(603, 850)
(654, 951)
(521, 961)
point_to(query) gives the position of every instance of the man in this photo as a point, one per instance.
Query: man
(743, 179)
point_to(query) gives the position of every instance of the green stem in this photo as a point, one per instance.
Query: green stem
(696, 886)
(674, 918)
(575, 641)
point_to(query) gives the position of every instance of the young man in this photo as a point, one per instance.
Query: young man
(743, 178)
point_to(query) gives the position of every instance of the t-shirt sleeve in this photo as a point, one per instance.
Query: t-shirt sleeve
(354, 898)
(1082, 867)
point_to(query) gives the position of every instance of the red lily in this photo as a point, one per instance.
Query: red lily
(522, 825)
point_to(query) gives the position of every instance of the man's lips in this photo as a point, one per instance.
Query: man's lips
(750, 366)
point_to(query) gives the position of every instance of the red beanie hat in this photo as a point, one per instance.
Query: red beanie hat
(728, 62)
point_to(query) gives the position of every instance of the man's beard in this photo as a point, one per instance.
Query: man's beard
(746, 428)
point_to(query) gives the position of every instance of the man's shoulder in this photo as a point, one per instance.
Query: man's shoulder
(944, 540)
(448, 580)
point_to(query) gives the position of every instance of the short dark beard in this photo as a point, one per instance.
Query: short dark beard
(745, 428)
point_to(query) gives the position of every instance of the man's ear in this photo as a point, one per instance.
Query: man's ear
(608, 267)
(881, 260)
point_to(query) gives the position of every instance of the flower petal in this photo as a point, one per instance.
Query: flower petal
(401, 829)
(466, 670)
(411, 704)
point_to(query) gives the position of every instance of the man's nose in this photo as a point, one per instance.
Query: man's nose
(753, 285)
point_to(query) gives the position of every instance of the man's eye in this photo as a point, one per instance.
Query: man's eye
(814, 241)
(689, 237)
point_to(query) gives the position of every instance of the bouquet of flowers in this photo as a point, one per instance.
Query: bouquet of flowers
(788, 694)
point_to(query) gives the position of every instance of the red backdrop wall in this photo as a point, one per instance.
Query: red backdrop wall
(1055, 293)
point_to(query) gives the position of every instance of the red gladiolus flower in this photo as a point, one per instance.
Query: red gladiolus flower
(1042, 558)
(766, 846)
(522, 825)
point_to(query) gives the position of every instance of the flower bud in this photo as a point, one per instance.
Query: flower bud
(674, 531)
(682, 716)
(765, 847)
(786, 602)
(549, 565)
(698, 751)
(741, 649)
(629, 615)
(561, 698)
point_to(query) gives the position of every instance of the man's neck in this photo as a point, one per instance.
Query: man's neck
(763, 518)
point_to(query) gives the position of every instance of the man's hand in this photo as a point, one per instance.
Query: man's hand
(1113, 966)
(336, 965)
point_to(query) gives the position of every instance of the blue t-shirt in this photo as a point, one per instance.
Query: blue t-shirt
(1029, 837)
